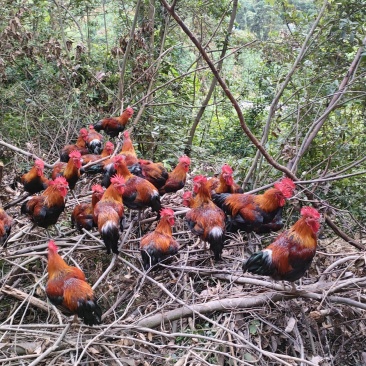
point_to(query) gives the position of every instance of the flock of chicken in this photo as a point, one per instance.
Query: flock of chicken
(217, 206)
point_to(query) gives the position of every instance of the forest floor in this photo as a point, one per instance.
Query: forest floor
(192, 311)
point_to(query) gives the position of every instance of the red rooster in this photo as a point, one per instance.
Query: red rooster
(177, 178)
(94, 141)
(44, 210)
(6, 222)
(69, 170)
(259, 213)
(34, 181)
(112, 126)
(225, 183)
(96, 168)
(139, 193)
(291, 254)
(159, 244)
(155, 173)
(109, 213)
(187, 199)
(128, 150)
(205, 219)
(80, 146)
(82, 215)
(67, 288)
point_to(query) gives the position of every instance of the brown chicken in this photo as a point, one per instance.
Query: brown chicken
(205, 219)
(88, 158)
(159, 244)
(109, 213)
(225, 183)
(80, 146)
(69, 170)
(187, 199)
(94, 141)
(155, 173)
(44, 210)
(67, 289)
(291, 254)
(177, 178)
(128, 150)
(34, 181)
(6, 223)
(112, 126)
(82, 214)
(259, 213)
(139, 193)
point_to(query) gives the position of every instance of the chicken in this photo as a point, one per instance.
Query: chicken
(155, 173)
(177, 178)
(159, 244)
(187, 199)
(128, 150)
(69, 170)
(80, 146)
(44, 210)
(139, 193)
(205, 219)
(6, 223)
(109, 213)
(82, 214)
(112, 126)
(225, 183)
(67, 288)
(88, 158)
(291, 254)
(94, 141)
(34, 181)
(258, 213)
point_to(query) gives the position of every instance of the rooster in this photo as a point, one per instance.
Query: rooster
(69, 170)
(205, 219)
(159, 244)
(67, 288)
(187, 199)
(44, 210)
(291, 254)
(128, 150)
(109, 213)
(80, 146)
(82, 215)
(34, 181)
(94, 141)
(6, 223)
(225, 183)
(258, 213)
(112, 126)
(139, 193)
(177, 178)
(155, 173)
(88, 158)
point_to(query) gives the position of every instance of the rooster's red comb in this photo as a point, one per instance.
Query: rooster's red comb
(118, 179)
(166, 212)
(52, 246)
(60, 180)
(126, 134)
(97, 188)
(187, 195)
(200, 179)
(286, 186)
(75, 154)
(129, 109)
(91, 127)
(83, 131)
(308, 211)
(227, 169)
(118, 158)
(185, 159)
(39, 163)
(109, 145)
